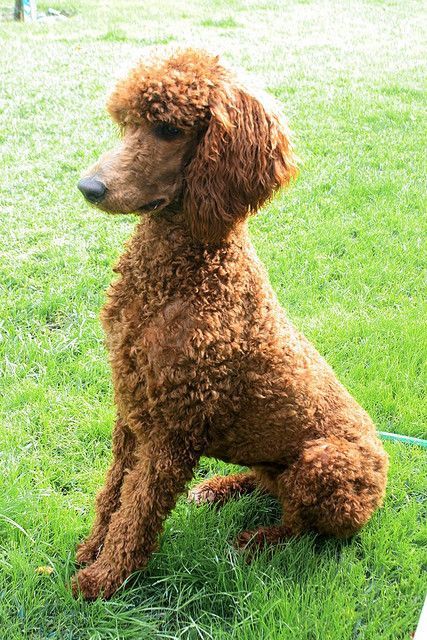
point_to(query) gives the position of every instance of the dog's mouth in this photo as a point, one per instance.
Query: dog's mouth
(153, 205)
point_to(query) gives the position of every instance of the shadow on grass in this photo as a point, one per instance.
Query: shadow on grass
(198, 580)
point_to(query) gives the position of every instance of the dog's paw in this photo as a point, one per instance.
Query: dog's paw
(98, 580)
(202, 495)
(253, 541)
(248, 541)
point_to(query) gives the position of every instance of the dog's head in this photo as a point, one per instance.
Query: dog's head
(192, 136)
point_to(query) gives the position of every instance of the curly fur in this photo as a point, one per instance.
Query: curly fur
(204, 360)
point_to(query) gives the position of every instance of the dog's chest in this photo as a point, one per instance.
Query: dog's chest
(132, 308)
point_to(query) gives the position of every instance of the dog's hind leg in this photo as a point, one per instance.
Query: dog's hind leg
(333, 488)
(219, 489)
(108, 499)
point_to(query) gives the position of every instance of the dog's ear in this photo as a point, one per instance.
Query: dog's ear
(244, 156)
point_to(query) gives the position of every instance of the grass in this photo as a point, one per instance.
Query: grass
(344, 250)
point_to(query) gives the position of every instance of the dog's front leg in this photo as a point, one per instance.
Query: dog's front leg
(108, 499)
(149, 492)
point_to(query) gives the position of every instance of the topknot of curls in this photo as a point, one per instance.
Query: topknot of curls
(176, 90)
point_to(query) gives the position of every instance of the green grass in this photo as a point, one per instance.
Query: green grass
(344, 249)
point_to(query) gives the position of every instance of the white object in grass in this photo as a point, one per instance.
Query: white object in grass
(29, 10)
(421, 632)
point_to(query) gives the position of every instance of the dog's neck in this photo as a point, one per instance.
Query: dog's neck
(162, 262)
(162, 251)
(173, 220)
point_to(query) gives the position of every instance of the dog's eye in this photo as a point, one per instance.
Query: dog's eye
(166, 131)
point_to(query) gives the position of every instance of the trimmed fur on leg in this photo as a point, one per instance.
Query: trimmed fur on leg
(219, 489)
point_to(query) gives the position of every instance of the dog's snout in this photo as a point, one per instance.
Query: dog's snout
(93, 190)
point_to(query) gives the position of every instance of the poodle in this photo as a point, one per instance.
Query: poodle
(204, 360)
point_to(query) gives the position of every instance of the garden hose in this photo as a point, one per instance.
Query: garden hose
(395, 437)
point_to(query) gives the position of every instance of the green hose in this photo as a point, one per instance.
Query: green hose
(395, 437)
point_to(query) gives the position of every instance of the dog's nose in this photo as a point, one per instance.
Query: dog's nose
(92, 189)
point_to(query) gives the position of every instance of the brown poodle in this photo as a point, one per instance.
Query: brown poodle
(204, 360)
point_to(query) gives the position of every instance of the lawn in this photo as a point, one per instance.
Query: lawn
(344, 250)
